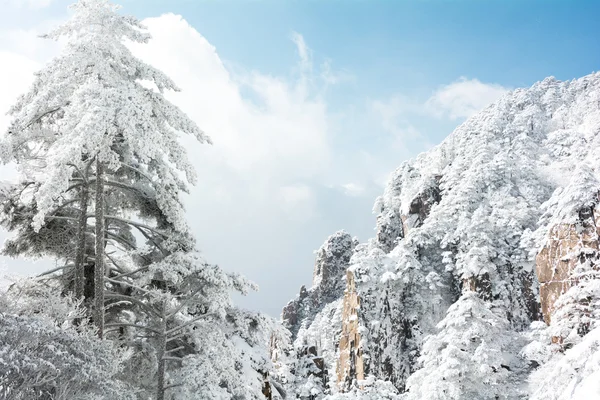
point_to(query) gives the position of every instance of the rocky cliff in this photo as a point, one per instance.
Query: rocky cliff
(314, 320)
(559, 257)
(498, 226)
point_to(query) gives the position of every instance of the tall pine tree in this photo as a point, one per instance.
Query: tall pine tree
(97, 145)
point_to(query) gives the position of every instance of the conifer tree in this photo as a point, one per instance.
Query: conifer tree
(470, 356)
(96, 126)
(97, 145)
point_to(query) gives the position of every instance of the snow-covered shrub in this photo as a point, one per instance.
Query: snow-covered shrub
(44, 355)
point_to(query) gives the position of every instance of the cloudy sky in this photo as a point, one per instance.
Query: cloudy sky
(311, 104)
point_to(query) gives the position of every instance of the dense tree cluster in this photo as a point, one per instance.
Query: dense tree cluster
(449, 290)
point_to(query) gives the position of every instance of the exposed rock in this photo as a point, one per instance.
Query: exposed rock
(420, 206)
(333, 258)
(480, 284)
(310, 317)
(266, 389)
(350, 365)
(393, 225)
(562, 252)
(389, 230)
(320, 371)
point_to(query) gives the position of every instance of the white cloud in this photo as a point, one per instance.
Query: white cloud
(331, 77)
(304, 52)
(353, 189)
(326, 75)
(402, 117)
(394, 117)
(298, 201)
(267, 141)
(463, 98)
(27, 42)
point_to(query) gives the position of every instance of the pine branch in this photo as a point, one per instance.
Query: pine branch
(173, 385)
(133, 300)
(190, 322)
(168, 358)
(124, 324)
(137, 225)
(185, 303)
(132, 272)
(42, 115)
(175, 349)
(138, 171)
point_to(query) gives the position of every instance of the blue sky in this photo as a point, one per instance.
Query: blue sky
(406, 44)
(312, 103)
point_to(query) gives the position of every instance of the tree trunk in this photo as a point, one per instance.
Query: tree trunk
(162, 348)
(99, 267)
(80, 257)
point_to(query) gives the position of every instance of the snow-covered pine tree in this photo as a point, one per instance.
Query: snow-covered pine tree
(192, 322)
(43, 356)
(88, 106)
(470, 357)
(108, 140)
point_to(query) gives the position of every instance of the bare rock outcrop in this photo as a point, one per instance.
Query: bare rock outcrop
(393, 224)
(350, 364)
(314, 319)
(420, 206)
(566, 246)
(333, 258)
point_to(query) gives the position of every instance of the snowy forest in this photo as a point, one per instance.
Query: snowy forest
(481, 282)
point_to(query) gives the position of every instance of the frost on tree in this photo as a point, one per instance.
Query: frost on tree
(102, 172)
(483, 188)
(470, 357)
(497, 225)
(42, 355)
(89, 125)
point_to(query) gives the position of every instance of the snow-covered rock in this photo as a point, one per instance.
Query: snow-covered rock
(502, 210)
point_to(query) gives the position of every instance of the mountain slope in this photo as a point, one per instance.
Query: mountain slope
(484, 233)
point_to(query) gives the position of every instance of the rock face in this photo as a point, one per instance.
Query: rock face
(314, 318)
(394, 224)
(500, 209)
(331, 263)
(350, 364)
(420, 206)
(333, 258)
(566, 244)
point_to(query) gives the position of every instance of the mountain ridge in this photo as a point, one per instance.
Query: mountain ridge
(474, 230)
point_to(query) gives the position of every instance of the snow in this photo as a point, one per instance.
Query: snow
(88, 124)
(448, 284)
(448, 296)
(573, 375)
